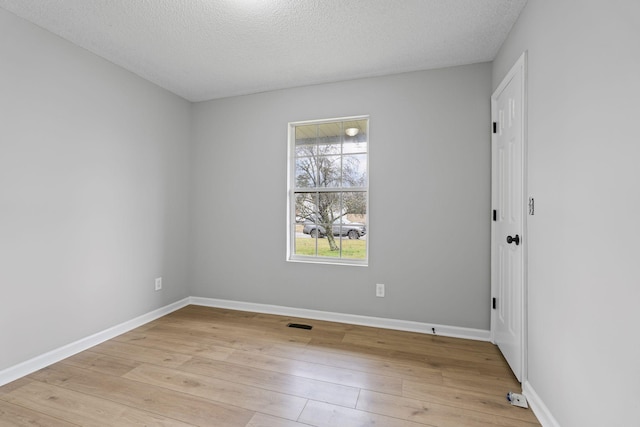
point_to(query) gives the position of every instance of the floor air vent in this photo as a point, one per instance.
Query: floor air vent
(299, 326)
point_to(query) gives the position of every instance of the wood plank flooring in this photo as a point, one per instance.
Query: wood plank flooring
(203, 366)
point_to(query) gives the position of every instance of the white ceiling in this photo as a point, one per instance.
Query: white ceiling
(205, 49)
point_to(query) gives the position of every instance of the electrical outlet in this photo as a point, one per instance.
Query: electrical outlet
(158, 283)
(380, 290)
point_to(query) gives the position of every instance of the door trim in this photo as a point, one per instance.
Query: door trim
(520, 67)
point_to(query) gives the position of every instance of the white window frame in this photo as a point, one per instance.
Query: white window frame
(291, 203)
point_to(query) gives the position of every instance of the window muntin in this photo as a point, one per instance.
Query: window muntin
(328, 191)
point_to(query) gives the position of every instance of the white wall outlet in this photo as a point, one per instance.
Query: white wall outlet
(158, 283)
(380, 290)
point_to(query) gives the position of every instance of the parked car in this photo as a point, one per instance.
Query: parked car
(340, 227)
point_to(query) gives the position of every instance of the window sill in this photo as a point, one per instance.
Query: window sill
(328, 261)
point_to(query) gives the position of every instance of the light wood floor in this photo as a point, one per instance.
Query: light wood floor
(212, 367)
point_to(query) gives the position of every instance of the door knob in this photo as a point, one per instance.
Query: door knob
(515, 239)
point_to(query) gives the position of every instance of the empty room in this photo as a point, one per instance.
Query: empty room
(319, 213)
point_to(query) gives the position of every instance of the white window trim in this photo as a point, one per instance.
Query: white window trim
(290, 256)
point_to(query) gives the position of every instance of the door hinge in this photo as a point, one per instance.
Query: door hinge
(493, 303)
(495, 215)
(495, 127)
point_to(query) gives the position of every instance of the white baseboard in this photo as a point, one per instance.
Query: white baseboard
(29, 366)
(353, 319)
(538, 407)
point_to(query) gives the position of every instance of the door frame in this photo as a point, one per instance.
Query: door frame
(520, 67)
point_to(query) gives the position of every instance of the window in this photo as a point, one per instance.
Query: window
(328, 191)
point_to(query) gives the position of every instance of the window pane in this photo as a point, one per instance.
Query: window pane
(331, 129)
(354, 249)
(360, 127)
(354, 203)
(306, 132)
(352, 147)
(305, 244)
(306, 140)
(306, 207)
(329, 207)
(353, 231)
(306, 173)
(305, 227)
(306, 148)
(329, 171)
(326, 148)
(354, 170)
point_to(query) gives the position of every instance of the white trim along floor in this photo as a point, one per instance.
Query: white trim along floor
(29, 366)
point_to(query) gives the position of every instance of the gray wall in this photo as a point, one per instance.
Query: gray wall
(93, 193)
(429, 198)
(584, 87)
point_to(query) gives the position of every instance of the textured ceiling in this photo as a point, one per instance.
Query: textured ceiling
(205, 49)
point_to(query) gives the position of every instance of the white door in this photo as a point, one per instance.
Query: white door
(507, 231)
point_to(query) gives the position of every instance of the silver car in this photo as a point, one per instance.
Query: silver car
(353, 230)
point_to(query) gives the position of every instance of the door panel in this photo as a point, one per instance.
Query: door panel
(507, 320)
